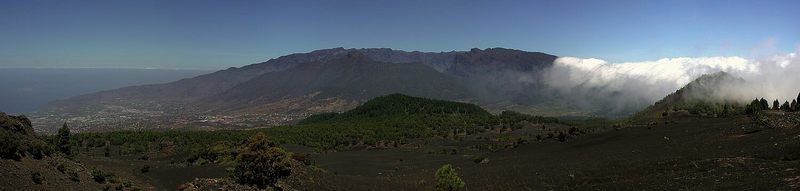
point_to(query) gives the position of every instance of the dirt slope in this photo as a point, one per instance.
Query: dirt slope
(687, 153)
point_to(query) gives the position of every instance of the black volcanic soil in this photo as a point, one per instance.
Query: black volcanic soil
(688, 153)
(674, 153)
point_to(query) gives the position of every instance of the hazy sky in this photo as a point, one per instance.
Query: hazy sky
(219, 34)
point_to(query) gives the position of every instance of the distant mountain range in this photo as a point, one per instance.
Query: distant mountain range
(291, 87)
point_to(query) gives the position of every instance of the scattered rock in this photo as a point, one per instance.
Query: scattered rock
(482, 160)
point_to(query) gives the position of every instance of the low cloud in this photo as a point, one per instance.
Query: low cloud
(631, 86)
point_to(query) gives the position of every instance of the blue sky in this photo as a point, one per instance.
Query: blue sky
(219, 34)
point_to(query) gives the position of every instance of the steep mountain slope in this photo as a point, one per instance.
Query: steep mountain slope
(322, 81)
(192, 89)
(483, 66)
(353, 78)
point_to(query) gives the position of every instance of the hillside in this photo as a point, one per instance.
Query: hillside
(18, 138)
(397, 119)
(394, 118)
(352, 78)
(191, 89)
(702, 92)
(29, 163)
(395, 105)
(291, 87)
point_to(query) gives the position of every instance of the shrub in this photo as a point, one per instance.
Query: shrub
(127, 184)
(39, 149)
(480, 160)
(261, 163)
(100, 176)
(562, 136)
(74, 176)
(220, 152)
(10, 146)
(574, 131)
(107, 151)
(61, 168)
(145, 169)
(447, 179)
(37, 177)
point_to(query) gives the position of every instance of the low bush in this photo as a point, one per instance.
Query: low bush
(145, 169)
(447, 179)
(101, 177)
(37, 177)
(261, 163)
(74, 176)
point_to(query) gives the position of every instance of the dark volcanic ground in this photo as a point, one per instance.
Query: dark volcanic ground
(674, 153)
(688, 153)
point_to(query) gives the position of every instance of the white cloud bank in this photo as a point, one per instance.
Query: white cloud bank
(634, 85)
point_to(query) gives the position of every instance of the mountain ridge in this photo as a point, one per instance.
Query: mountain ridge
(496, 77)
(352, 77)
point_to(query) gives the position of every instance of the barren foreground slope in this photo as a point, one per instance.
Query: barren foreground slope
(686, 153)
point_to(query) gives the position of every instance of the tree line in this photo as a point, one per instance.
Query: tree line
(762, 104)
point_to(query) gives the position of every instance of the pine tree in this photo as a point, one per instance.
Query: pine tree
(794, 106)
(785, 106)
(752, 107)
(725, 110)
(776, 105)
(63, 139)
(764, 104)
